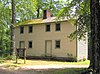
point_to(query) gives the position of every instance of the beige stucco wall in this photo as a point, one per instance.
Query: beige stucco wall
(39, 36)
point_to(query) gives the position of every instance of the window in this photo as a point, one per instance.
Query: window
(48, 28)
(21, 44)
(21, 29)
(57, 26)
(30, 29)
(30, 44)
(57, 44)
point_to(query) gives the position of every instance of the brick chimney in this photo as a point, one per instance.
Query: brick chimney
(46, 14)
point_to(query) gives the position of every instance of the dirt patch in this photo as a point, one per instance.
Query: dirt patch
(9, 71)
(5, 71)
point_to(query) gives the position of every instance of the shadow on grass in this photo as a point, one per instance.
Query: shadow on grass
(58, 71)
(69, 71)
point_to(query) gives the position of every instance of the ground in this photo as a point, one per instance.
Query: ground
(43, 71)
(42, 67)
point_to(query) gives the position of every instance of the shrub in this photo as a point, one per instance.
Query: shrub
(84, 59)
(5, 55)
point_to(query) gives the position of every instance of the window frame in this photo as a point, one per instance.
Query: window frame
(29, 44)
(46, 29)
(58, 26)
(21, 42)
(21, 29)
(57, 45)
(30, 27)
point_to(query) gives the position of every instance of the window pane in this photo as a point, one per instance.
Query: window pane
(57, 44)
(21, 29)
(47, 27)
(30, 44)
(30, 29)
(58, 27)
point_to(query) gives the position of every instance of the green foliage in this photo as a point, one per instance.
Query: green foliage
(5, 55)
(79, 10)
(83, 26)
(25, 9)
(5, 23)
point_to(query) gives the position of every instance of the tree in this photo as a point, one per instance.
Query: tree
(12, 27)
(4, 25)
(95, 36)
(80, 11)
(83, 14)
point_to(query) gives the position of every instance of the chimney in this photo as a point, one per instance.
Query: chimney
(46, 14)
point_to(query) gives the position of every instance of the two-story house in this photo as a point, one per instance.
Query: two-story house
(47, 37)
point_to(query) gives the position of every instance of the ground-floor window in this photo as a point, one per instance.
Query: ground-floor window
(21, 44)
(30, 44)
(57, 44)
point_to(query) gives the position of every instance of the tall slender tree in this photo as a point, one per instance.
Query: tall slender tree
(12, 27)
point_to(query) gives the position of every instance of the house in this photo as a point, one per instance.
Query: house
(47, 37)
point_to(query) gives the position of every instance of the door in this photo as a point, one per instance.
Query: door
(48, 50)
(22, 44)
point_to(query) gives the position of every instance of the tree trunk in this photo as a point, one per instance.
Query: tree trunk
(12, 28)
(1, 43)
(95, 36)
(38, 12)
(92, 36)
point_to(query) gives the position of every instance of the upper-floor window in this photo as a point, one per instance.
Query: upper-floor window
(57, 26)
(48, 28)
(21, 29)
(57, 44)
(30, 44)
(30, 29)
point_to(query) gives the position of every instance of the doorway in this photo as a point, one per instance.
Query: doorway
(48, 48)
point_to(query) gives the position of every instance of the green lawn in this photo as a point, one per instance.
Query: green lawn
(11, 63)
(43, 62)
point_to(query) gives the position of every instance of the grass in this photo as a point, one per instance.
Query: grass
(11, 63)
(57, 71)
(65, 71)
(44, 62)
